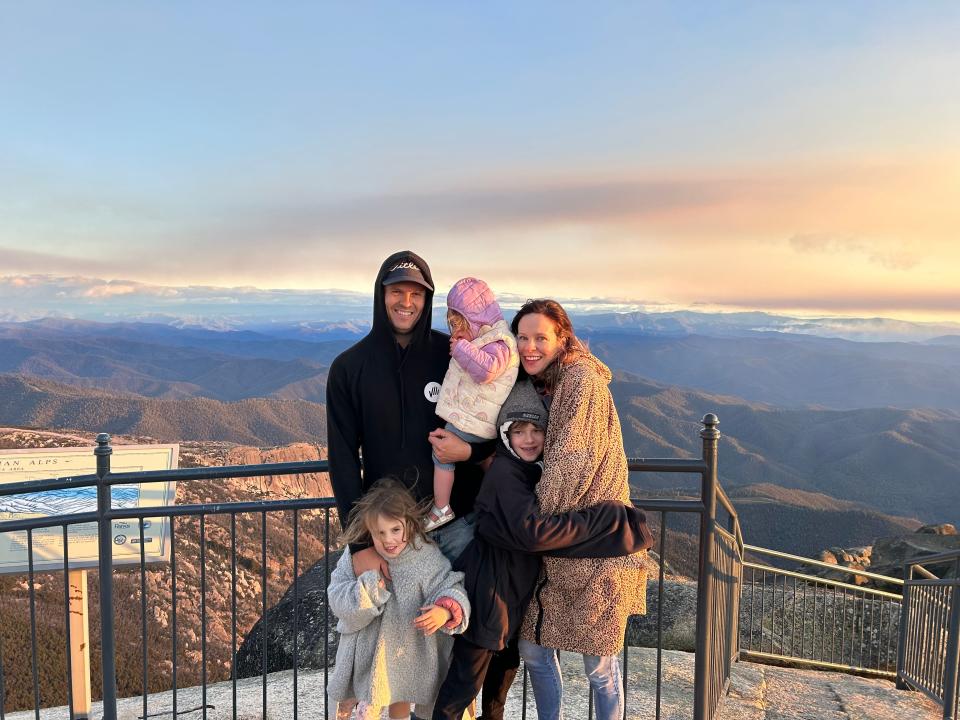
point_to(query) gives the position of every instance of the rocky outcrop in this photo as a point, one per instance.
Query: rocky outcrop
(679, 610)
(940, 529)
(782, 620)
(679, 624)
(888, 555)
(291, 486)
(815, 622)
(858, 558)
(303, 608)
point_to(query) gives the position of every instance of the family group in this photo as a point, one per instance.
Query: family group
(482, 485)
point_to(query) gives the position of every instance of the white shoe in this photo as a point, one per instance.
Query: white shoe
(438, 517)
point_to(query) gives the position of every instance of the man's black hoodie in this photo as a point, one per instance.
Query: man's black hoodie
(381, 400)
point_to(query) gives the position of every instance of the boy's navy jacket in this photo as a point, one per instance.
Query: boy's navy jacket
(502, 563)
(379, 398)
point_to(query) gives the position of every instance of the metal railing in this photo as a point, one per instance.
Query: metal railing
(719, 573)
(929, 653)
(815, 621)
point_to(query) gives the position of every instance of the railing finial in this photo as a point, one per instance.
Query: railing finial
(710, 432)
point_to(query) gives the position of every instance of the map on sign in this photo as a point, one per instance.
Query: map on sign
(62, 502)
(47, 543)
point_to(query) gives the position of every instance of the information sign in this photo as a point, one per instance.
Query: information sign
(43, 463)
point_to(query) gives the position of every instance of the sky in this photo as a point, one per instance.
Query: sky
(796, 157)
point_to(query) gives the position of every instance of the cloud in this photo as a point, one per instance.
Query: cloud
(832, 244)
(14, 260)
(882, 300)
(418, 215)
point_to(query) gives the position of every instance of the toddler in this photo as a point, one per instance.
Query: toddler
(483, 368)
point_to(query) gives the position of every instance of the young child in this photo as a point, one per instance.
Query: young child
(482, 371)
(502, 563)
(389, 653)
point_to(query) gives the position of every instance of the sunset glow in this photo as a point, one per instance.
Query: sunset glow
(784, 157)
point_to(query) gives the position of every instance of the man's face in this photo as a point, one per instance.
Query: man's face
(404, 302)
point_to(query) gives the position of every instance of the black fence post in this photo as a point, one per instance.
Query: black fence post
(734, 616)
(703, 663)
(952, 659)
(105, 537)
(904, 629)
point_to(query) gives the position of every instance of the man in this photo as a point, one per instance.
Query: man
(381, 406)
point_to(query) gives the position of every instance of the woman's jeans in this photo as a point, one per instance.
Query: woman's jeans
(603, 672)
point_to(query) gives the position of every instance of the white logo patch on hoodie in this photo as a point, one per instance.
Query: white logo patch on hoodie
(431, 391)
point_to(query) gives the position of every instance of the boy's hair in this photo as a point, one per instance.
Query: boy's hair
(390, 498)
(520, 423)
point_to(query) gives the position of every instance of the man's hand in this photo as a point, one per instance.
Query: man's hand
(433, 618)
(369, 559)
(448, 447)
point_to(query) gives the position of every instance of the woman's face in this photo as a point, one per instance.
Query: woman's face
(537, 342)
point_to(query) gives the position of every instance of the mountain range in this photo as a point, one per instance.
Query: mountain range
(39, 403)
(866, 422)
(290, 361)
(903, 462)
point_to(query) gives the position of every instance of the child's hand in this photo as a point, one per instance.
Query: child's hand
(433, 618)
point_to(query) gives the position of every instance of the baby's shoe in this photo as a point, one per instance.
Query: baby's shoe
(438, 517)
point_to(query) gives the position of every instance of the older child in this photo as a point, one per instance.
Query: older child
(483, 368)
(502, 563)
(389, 653)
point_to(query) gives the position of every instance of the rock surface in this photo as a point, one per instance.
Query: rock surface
(757, 692)
(764, 692)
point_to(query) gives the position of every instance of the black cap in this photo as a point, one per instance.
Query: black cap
(406, 271)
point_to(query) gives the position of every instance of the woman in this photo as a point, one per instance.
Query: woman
(580, 605)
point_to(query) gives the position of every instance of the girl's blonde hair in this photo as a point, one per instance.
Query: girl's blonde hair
(390, 498)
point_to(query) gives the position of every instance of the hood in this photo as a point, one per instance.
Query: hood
(381, 323)
(474, 300)
(523, 404)
(590, 360)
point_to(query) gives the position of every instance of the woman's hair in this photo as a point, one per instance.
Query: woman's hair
(571, 347)
(390, 498)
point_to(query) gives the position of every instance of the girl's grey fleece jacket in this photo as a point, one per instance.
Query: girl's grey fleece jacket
(382, 657)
